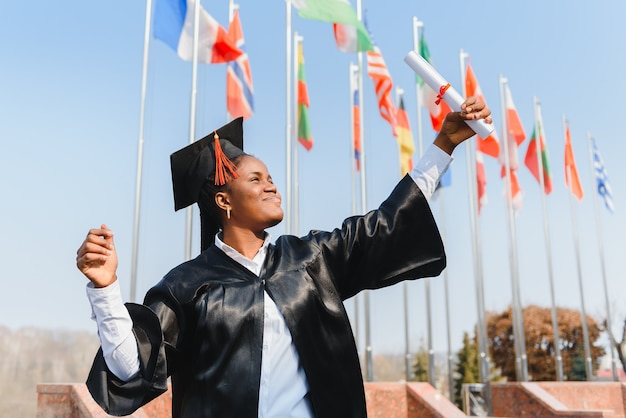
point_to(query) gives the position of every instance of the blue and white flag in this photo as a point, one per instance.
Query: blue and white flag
(602, 179)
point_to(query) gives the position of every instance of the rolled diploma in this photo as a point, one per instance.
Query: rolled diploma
(451, 96)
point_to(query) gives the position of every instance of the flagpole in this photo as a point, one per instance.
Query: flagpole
(416, 25)
(447, 304)
(602, 264)
(288, 144)
(231, 12)
(142, 114)
(431, 352)
(539, 137)
(588, 365)
(472, 187)
(405, 298)
(354, 72)
(297, 40)
(369, 374)
(517, 324)
(192, 116)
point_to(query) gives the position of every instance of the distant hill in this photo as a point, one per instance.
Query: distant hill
(29, 356)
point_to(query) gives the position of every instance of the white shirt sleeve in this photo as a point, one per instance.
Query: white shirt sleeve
(115, 329)
(430, 168)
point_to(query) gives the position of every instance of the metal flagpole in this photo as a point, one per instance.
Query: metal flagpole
(518, 330)
(231, 12)
(431, 352)
(447, 302)
(587, 347)
(472, 187)
(369, 373)
(142, 113)
(405, 297)
(539, 136)
(192, 116)
(602, 265)
(297, 40)
(288, 145)
(418, 94)
(354, 73)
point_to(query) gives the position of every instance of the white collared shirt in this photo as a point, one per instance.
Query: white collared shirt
(283, 386)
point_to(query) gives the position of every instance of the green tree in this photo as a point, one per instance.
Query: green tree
(466, 370)
(578, 371)
(420, 366)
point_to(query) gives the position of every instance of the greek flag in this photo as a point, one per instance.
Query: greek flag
(602, 179)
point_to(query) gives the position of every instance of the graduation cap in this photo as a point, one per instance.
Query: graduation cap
(194, 164)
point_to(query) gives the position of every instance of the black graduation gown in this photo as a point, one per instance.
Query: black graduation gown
(203, 323)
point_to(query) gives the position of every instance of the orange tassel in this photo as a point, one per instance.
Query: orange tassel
(225, 170)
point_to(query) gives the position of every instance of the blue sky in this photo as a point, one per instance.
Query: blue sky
(69, 106)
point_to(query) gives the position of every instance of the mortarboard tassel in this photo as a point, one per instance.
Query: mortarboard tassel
(222, 164)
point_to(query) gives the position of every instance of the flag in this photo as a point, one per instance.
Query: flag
(439, 111)
(489, 145)
(349, 39)
(378, 72)
(351, 36)
(174, 24)
(530, 160)
(481, 181)
(239, 90)
(571, 172)
(304, 130)
(356, 123)
(514, 136)
(405, 140)
(602, 179)
(517, 196)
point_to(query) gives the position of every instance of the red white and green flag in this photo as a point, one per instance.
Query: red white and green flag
(304, 130)
(531, 159)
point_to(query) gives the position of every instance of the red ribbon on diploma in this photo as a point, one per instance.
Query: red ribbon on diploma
(442, 91)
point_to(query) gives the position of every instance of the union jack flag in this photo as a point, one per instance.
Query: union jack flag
(239, 90)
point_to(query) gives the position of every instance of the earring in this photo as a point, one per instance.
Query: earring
(228, 213)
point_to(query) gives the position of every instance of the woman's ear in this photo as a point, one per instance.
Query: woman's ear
(222, 201)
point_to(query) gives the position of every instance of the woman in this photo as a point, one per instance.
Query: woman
(250, 328)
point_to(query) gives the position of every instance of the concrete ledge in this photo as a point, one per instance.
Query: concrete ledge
(384, 400)
(395, 400)
(72, 401)
(606, 396)
(426, 401)
(531, 400)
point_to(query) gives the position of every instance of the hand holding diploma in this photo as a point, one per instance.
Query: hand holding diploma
(435, 81)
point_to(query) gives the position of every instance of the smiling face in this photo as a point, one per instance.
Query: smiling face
(252, 197)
